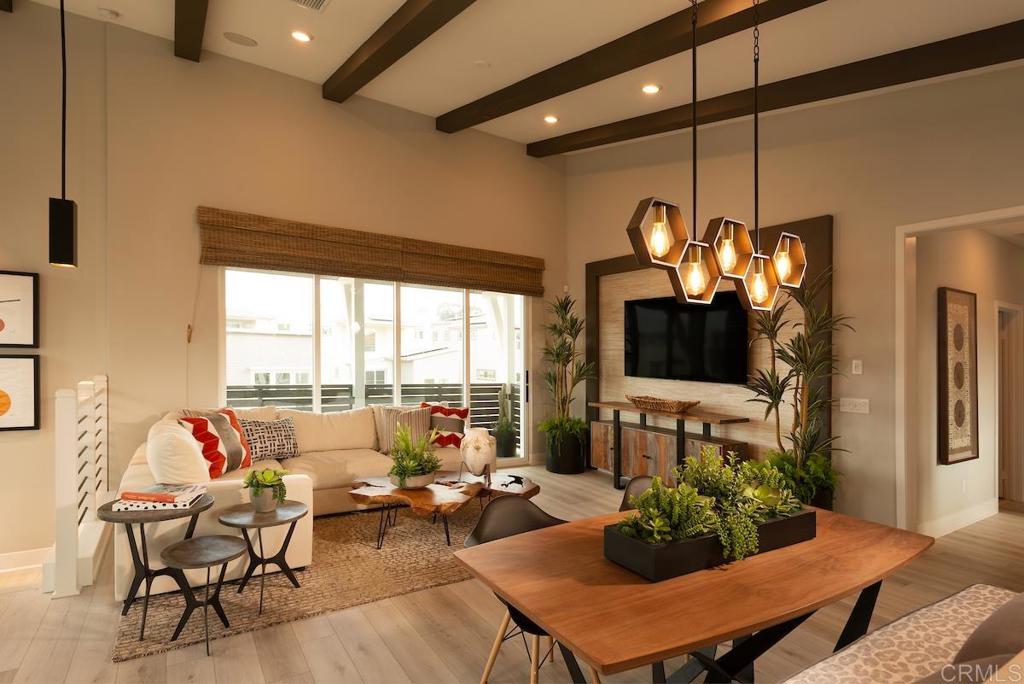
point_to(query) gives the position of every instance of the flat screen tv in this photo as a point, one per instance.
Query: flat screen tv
(704, 343)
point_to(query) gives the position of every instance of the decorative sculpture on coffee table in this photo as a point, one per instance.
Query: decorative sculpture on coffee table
(479, 455)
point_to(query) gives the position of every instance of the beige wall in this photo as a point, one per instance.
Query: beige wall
(152, 137)
(971, 260)
(910, 155)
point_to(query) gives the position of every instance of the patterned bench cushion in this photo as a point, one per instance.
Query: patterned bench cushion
(912, 647)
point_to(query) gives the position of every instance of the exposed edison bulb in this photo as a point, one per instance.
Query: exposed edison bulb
(694, 280)
(661, 240)
(759, 284)
(727, 250)
(783, 264)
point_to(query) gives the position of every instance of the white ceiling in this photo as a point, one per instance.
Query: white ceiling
(497, 42)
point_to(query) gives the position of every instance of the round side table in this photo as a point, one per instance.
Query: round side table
(245, 518)
(197, 553)
(143, 573)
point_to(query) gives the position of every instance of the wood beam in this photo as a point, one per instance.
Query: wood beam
(664, 38)
(6, 5)
(414, 22)
(983, 48)
(189, 26)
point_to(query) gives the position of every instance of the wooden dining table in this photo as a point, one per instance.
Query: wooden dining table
(614, 620)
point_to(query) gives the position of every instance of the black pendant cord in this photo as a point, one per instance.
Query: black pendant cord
(693, 107)
(757, 204)
(63, 104)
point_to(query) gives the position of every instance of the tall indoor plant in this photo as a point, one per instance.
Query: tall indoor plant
(505, 429)
(801, 370)
(566, 434)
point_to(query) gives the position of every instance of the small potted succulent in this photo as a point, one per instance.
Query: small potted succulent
(505, 430)
(414, 460)
(266, 488)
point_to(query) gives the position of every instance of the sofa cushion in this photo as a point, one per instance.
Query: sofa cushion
(1001, 632)
(258, 413)
(332, 431)
(339, 468)
(220, 438)
(174, 456)
(270, 438)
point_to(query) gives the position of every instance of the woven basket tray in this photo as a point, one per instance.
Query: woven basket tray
(658, 404)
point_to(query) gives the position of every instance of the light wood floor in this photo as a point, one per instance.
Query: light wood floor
(441, 634)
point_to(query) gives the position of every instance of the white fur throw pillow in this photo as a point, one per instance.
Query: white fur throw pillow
(174, 456)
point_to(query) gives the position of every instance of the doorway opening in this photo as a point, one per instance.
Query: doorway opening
(1010, 379)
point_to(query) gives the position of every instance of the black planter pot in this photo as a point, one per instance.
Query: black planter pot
(567, 456)
(658, 562)
(824, 498)
(505, 444)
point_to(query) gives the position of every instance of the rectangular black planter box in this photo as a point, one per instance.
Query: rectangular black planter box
(658, 562)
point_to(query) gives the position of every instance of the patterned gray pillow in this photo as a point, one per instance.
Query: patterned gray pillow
(270, 439)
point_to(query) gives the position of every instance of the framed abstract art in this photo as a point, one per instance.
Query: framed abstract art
(19, 309)
(958, 376)
(19, 392)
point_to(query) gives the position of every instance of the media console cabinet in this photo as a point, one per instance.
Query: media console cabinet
(638, 449)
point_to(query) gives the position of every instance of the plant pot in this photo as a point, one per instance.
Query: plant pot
(567, 456)
(263, 501)
(505, 444)
(823, 498)
(414, 482)
(657, 562)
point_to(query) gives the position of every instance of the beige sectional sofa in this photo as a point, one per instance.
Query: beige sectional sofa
(334, 448)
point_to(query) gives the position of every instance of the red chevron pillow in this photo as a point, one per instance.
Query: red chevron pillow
(220, 438)
(450, 423)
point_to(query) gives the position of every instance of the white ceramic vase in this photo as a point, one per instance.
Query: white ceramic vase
(414, 482)
(478, 451)
(263, 501)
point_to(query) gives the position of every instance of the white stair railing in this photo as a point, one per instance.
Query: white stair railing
(80, 466)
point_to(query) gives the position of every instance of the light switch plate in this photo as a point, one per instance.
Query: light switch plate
(852, 405)
(857, 367)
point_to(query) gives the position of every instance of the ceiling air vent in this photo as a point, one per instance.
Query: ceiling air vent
(317, 5)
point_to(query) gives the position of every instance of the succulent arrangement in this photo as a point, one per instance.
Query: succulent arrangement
(413, 457)
(715, 495)
(269, 478)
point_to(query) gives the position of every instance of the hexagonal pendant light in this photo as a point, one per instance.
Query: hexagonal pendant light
(790, 261)
(658, 233)
(760, 287)
(696, 279)
(730, 245)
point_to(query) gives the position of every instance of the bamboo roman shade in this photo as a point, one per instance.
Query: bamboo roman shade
(232, 238)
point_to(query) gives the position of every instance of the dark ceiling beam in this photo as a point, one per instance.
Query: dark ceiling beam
(414, 22)
(664, 38)
(6, 5)
(189, 26)
(984, 48)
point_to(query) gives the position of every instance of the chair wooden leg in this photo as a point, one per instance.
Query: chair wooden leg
(595, 678)
(534, 658)
(551, 648)
(498, 640)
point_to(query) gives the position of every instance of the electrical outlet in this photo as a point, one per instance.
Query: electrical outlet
(857, 367)
(852, 405)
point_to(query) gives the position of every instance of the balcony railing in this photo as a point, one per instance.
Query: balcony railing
(483, 398)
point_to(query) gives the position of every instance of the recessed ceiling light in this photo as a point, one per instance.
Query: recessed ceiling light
(239, 39)
(302, 36)
(651, 89)
(551, 119)
(108, 14)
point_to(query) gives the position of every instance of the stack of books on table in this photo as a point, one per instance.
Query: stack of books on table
(160, 498)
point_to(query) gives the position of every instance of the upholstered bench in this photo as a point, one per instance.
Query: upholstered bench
(920, 645)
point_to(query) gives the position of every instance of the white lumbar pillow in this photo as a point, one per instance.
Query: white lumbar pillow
(174, 456)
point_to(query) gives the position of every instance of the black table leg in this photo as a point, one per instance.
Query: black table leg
(149, 580)
(447, 535)
(680, 442)
(658, 672)
(570, 664)
(258, 560)
(209, 600)
(617, 451)
(140, 563)
(707, 430)
(860, 617)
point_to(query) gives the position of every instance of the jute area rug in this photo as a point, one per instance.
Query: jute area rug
(347, 570)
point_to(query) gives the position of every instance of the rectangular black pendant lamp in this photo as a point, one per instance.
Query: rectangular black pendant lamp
(63, 231)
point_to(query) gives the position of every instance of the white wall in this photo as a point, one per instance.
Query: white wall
(951, 496)
(151, 138)
(935, 150)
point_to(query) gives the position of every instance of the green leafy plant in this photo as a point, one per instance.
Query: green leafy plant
(567, 369)
(268, 478)
(802, 366)
(666, 514)
(504, 425)
(412, 457)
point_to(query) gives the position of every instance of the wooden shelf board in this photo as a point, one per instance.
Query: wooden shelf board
(695, 415)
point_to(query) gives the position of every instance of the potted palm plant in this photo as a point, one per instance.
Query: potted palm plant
(565, 433)
(504, 430)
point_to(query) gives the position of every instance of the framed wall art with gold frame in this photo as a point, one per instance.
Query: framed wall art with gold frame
(958, 376)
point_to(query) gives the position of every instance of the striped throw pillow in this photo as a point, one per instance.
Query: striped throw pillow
(450, 423)
(220, 439)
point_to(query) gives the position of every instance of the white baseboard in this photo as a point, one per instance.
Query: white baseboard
(955, 521)
(22, 560)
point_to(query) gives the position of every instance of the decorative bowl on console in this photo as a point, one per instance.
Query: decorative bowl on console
(649, 403)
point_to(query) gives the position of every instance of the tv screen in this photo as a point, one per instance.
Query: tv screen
(701, 342)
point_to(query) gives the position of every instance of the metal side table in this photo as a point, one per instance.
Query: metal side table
(143, 573)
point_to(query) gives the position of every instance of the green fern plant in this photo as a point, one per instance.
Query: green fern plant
(665, 514)
(413, 457)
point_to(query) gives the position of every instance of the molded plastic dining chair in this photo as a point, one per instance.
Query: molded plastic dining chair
(636, 487)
